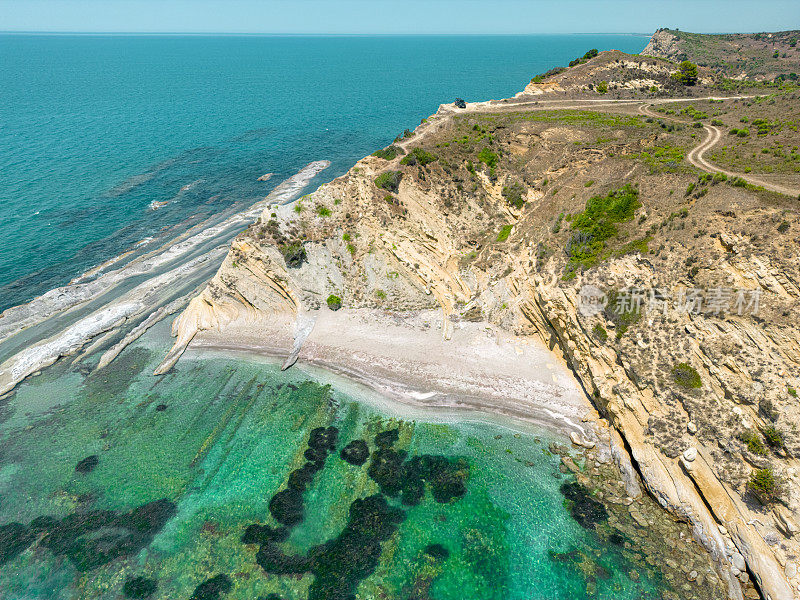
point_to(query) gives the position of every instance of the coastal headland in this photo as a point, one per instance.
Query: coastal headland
(610, 254)
(456, 259)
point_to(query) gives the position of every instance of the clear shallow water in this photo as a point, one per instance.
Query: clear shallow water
(95, 128)
(185, 463)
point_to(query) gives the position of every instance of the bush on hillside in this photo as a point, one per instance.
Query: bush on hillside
(390, 180)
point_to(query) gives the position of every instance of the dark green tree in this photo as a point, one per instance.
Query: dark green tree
(686, 73)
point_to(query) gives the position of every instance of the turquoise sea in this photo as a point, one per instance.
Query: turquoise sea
(114, 476)
(227, 479)
(95, 128)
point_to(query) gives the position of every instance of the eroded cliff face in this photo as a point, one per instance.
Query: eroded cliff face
(663, 44)
(506, 214)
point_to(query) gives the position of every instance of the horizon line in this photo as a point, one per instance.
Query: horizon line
(306, 34)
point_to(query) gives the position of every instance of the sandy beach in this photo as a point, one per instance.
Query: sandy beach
(405, 358)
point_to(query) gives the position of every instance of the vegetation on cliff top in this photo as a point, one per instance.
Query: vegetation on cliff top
(418, 156)
(389, 153)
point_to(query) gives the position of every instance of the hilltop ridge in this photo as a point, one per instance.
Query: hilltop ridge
(759, 56)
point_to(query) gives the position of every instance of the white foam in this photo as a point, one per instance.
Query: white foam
(145, 296)
(17, 318)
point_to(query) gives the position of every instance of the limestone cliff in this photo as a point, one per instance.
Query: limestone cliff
(505, 213)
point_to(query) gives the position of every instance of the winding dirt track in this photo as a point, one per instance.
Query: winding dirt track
(696, 157)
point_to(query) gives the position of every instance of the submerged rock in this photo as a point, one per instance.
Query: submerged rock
(356, 453)
(386, 439)
(213, 589)
(260, 534)
(395, 476)
(300, 478)
(323, 439)
(437, 551)
(139, 587)
(287, 506)
(88, 464)
(94, 538)
(340, 564)
(386, 469)
(14, 539)
(587, 511)
(273, 560)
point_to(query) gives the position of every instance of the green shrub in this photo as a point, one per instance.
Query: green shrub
(600, 333)
(792, 391)
(403, 136)
(767, 408)
(753, 442)
(323, 211)
(686, 376)
(380, 294)
(622, 315)
(389, 153)
(557, 225)
(763, 485)
(514, 194)
(294, 254)
(504, 233)
(390, 180)
(641, 245)
(773, 436)
(783, 227)
(593, 227)
(717, 122)
(589, 55)
(602, 87)
(489, 158)
(418, 156)
(334, 302)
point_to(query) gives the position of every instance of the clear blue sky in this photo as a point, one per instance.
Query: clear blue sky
(398, 16)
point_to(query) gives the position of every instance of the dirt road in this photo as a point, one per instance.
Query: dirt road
(696, 157)
(713, 136)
